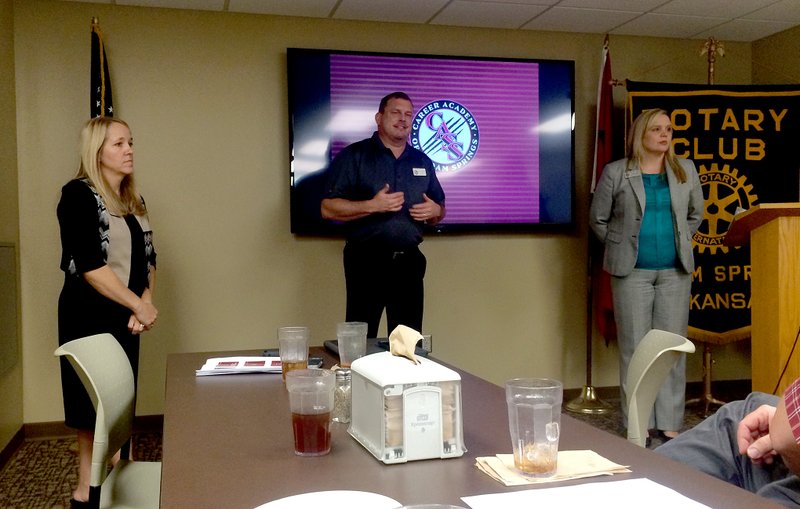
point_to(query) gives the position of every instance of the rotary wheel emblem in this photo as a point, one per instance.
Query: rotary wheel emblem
(724, 192)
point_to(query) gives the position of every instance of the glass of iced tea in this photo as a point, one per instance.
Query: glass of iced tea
(311, 402)
(534, 419)
(293, 348)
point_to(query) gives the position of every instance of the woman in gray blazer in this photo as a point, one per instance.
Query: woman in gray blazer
(645, 210)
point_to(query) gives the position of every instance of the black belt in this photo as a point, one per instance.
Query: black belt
(382, 251)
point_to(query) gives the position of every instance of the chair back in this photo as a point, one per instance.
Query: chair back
(654, 357)
(106, 373)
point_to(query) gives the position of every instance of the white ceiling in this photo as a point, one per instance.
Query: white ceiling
(726, 20)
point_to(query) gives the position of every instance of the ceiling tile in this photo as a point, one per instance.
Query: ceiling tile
(90, 1)
(712, 8)
(614, 5)
(405, 11)
(486, 14)
(564, 19)
(200, 5)
(667, 25)
(519, 2)
(307, 8)
(785, 10)
(745, 30)
(724, 19)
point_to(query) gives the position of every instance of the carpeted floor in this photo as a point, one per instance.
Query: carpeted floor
(612, 421)
(43, 473)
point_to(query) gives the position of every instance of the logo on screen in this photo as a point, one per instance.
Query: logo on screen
(448, 133)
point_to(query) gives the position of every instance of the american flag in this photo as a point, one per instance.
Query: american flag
(101, 104)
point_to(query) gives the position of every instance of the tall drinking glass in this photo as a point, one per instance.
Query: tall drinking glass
(293, 348)
(534, 419)
(311, 402)
(352, 340)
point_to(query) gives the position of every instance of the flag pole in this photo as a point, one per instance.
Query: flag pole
(712, 48)
(588, 402)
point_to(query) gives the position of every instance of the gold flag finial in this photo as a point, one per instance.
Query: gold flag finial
(712, 48)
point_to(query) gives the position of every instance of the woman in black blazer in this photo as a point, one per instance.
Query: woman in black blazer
(645, 210)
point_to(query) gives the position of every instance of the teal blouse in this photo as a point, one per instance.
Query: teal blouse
(657, 235)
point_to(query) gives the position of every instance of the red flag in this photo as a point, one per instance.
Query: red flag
(601, 280)
(605, 103)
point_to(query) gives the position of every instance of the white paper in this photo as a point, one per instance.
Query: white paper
(348, 499)
(236, 365)
(627, 494)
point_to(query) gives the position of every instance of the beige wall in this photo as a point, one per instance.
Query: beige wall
(205, 94)
(776, 59)
(11, 415)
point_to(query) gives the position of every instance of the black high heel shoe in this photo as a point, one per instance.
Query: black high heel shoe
(663, 437)
(658, 436)
(79, 504)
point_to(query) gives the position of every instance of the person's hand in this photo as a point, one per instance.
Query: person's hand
(753, 435)
(428, 210)
(384, 201)
(143, 317)
(135, 326)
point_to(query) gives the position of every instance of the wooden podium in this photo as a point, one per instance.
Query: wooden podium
(773, 230)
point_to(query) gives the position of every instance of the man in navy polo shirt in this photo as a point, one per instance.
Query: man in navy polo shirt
(385, 190)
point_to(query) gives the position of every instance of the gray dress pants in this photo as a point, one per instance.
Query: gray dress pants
(711, 448)
(653, 299)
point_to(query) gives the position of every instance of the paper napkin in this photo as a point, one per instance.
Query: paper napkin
(571, 465)
(403, 341)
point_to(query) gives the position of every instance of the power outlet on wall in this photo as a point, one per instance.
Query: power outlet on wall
(427, 343)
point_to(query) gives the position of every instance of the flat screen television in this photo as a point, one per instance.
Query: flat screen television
(499, 131)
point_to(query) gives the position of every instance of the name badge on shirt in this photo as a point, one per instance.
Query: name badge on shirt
(419, 172)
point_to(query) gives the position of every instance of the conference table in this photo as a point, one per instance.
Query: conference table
(228, 442)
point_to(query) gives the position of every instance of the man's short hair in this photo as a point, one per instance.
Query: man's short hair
(393, 95)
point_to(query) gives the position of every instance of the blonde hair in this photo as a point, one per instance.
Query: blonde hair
(93, 137)
(634, 147)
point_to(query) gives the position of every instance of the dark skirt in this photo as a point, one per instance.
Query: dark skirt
(82, 311)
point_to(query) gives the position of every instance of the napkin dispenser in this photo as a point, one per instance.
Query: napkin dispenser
(403, 411)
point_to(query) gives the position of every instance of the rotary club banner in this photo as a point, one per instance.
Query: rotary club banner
(744, 143)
